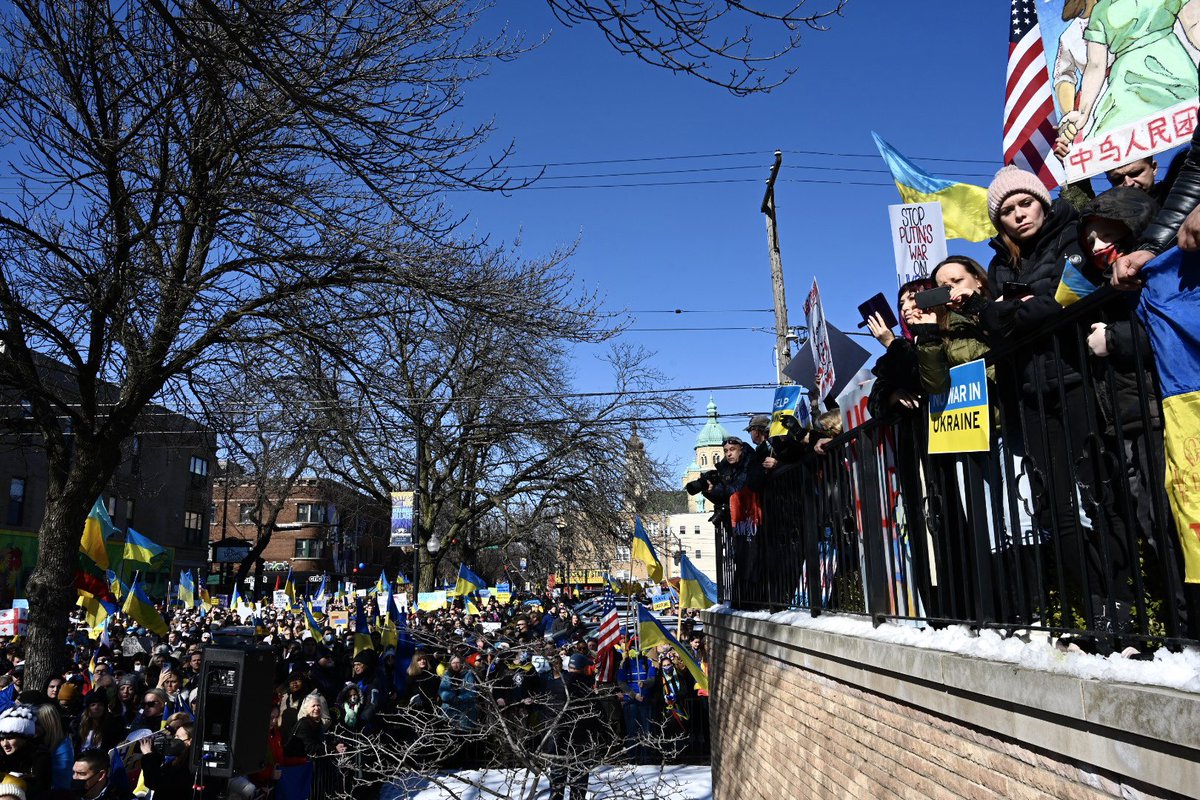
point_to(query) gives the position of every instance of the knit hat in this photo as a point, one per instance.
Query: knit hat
(12, 786)
(1009, 181)
(68, 691)
(19, 721)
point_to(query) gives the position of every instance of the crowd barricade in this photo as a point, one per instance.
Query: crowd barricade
(1062, 525)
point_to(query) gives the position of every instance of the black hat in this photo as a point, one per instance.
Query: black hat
(578, 662)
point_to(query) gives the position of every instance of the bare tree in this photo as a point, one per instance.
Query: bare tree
(474, 411)
(191, 173)
(735, 44)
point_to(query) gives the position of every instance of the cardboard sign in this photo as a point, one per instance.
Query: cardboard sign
(918, 239)
(339, 619)
(280, 599)
(432, 601)
(503, 598)
(818, 337)
(959, 419)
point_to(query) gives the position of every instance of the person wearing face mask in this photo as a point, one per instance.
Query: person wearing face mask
(1036, 237)
(90, 778)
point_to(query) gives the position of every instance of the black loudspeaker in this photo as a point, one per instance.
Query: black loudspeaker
(236, 689)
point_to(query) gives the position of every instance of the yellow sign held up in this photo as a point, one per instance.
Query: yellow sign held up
(960, 419)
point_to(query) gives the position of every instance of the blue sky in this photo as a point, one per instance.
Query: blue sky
(928, 76)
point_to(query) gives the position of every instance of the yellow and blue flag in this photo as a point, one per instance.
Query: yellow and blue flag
(1170, 307)
(696, 590)
(139, 548)
(643, 550)
(319, 599)
(964, 206)
(651, 633)
(236, 599)
(311, 622)
(139, 608)
(401, 580)
(468, 582)
(383, 585)
(1076, 283)
(290, 588)
(187, 589)
(362, 630)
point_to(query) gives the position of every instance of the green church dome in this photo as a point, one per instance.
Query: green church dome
(713, 432)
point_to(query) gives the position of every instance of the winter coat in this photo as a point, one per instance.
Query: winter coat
(895, 370)
(1039, 369)
(731, 479)
(960, 341)
(459, 698)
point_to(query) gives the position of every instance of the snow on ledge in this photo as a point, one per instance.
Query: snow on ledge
(1170, 670)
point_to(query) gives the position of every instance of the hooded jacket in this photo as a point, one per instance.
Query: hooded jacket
(1184, 196)
(1120, 392)
(1040, 370)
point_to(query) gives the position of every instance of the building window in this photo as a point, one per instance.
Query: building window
(683, 530)
(212, 511)
(199, 467)
(310, 512)
(696, 530)
(135, 465)
(245, 513)
(130, 505)
(623, 554)
(16, 501)
(193, 527)
(704, 461)
(308, 548)
(698, 554)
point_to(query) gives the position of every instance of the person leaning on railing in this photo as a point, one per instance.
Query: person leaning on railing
(736, 507)
(897, 380)
(1035, 238)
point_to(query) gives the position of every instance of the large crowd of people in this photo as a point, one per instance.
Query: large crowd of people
(521, 684)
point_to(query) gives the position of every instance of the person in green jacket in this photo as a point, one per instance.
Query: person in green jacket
(957, 337)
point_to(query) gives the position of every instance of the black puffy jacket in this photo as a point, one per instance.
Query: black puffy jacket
(1184, 196)
(1041, 268)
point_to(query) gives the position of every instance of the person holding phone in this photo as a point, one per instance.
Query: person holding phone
(1035, 239)
(955, 336)
(897, 383)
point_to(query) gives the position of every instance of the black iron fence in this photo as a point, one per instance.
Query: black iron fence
(1062, 525)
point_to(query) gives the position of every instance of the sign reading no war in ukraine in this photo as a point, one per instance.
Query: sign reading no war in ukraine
(959, 419)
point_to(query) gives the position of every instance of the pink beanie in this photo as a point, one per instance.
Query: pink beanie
(1009, 181)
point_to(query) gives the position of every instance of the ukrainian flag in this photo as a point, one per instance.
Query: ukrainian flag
(468, 582)
(139, 548)
(362, 630)
(319, 598)
(187, 589)
(290, 588)
(1076, 283)
(651, 633)
(643, 550)
(964, 207)
(140, 609)
(696, 590)
(311, 622)
(383, 586)
(1170, 307)
(235, 599)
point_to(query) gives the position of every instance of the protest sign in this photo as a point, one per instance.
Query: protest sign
(818, 336)
(339, 619)
(790, 401)
(852, 402)
(280, 599)
(660, 602)
(959, 419)
(918, 239)
(1123, 79)
(431, 601)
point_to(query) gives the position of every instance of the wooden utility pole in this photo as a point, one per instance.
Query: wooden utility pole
(782, 351)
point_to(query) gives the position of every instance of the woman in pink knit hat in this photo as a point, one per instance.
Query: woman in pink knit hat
(1035, 240)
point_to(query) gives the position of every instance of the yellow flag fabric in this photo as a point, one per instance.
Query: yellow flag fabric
(643, 550)
(652, 634)
(140, 609)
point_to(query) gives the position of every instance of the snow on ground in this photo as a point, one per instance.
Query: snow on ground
(1171, 670)
(678, 782)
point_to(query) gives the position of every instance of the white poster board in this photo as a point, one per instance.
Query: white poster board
(818, 334)
(280, 599)
(918, 239)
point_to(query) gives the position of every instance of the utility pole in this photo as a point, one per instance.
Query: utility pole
(782, 351)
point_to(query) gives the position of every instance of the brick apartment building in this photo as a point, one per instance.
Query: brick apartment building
(161, 489)
(323, 528)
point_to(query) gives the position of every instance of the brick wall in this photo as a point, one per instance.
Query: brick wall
(785, 732)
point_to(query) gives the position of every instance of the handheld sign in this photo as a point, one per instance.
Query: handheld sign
(918, 239)
(959, 419)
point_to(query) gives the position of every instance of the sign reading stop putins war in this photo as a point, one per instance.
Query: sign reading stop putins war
(1123, 77)
(918, 239)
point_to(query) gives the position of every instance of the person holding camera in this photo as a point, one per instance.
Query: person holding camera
(165, 762)
(732, 491)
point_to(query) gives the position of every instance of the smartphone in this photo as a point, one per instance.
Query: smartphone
(877, 305)
(932, 298)
(1014, 290)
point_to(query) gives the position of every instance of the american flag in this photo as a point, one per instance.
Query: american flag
(1030, 122)
(610, 623)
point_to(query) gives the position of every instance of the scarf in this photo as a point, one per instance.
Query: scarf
(670, 686)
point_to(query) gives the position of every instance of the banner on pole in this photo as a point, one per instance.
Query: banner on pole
(402, 520)
(818, 336)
